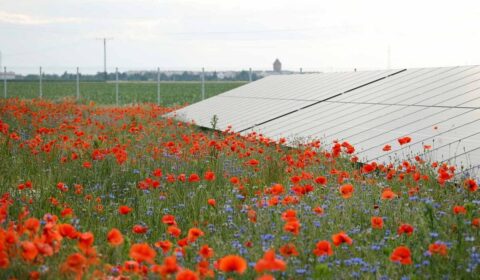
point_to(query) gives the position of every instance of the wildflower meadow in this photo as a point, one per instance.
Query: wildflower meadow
(102, 192)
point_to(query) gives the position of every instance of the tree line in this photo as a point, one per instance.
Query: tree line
(145, 76)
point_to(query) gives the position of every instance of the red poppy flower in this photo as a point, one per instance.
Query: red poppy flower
(206, 252)
(157, 172)
(29, 250)
(169, 266)
(388, 194)
(270, 263)
(211, 202)
(66, 212)
(438, 248)
(471, 185)
(293, 226)
(85, 240)
(32, 225)
(142, 252)
(401, 255)
(340, 238)
(114, 237)
(276, 189)
(62, 187)
(169, 220)
(232, 263)
(323, 248)
(377, 222)
(171, 178)
(288, 250)
(404, 140)
(295, 179)
(194, 234)
(187, 274)
(318, 210)
(67, 230)
(139, 229)
(182, 177)
(75, 263)
(405, 228)
(457, 209)
(174, 231)
(289, 214)
(193, 178)
(476, 222)
(164, 245)
(34, 275)
(369, 167)
(252, 162)
(234, 180)
(209, 176)
(131, 266)
(346, 190)
(321, 180)
(266, 277)
(124, 210)
(252, 215)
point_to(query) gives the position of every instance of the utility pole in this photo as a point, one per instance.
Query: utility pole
(203, 83)
(105, 39)
(40, 90)
(116, 86)
(158, 86)
(5, 81)
(78, 84)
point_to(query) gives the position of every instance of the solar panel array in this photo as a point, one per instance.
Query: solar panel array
(437, 107)
(273, 97)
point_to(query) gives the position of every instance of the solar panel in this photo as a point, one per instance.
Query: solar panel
(313, 87)
(240, 113)
(423, 131)
(434, 106)
(274, 97)
(405, 85)
(454, 136)
(417, 86)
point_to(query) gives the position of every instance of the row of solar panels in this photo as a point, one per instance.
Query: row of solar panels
(438, 107)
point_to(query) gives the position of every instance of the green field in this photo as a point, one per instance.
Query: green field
(172, 93)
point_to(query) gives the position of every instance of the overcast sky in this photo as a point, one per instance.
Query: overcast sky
(235, 34)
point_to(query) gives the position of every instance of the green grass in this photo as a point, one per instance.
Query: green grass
(172, 93)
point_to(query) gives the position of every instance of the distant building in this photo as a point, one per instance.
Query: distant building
(277, 66)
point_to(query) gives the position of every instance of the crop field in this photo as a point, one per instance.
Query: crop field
(105, 192)
(172, 93)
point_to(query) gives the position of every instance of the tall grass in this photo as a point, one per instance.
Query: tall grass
(50, 143)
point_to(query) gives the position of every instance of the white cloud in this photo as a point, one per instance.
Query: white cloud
(183, 33)
(25, 19)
